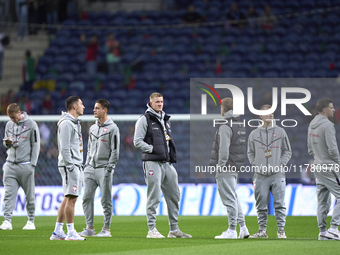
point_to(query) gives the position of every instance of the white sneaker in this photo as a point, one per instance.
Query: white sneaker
(104, 233)
(259, 234)
(244, 233)
(320, 238)
(154, 234)
(6, 225)
(29, 226)
(281, 234)
(178, 234)
(334, 231)
(228, 234)
(58, 236)
(329, 236)
(87, 232)
(73, 236)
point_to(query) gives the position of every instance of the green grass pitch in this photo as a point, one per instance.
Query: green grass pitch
(129, 238)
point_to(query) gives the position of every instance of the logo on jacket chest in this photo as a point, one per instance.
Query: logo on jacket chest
(105, 130)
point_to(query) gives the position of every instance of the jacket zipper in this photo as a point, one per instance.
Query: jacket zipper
(94, 164)
(165, 142)
(15, 151)
(267, 150)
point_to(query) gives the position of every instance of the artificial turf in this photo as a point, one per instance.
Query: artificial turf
(128, 237)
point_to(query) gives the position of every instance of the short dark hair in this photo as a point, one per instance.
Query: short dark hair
(104, 103)
(323, 103)
(70, 101)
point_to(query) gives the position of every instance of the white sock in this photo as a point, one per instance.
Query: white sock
(70, 227)
(244, 227)
(174, 230)
(333, 229)
(232, 231)
(58, 227)
(323, 233)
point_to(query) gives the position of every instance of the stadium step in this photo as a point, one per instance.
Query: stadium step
(14, 56)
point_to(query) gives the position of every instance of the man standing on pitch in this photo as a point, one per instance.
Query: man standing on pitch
(22, 140)
(153, 137)
(101, 160)
(269, 150)
(70, 160)
(323, 146)
(229, 151)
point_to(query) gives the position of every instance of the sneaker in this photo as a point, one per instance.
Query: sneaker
(154, 234)
(244, 233)
(259, 234)
(74, 236)
(323, 238)
(281, 234)
(58, 236)
(6, 225)
(329, 236)
(228, 234)
(29, 226)
(178, 234)
(87, 232)
(334, 231)
(104, 233)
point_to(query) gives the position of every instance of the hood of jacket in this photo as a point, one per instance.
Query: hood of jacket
(24, 118)
(262, 128)
(67, 116)
(231, 115)
(160, 116)
(108, 122)
(318, 120)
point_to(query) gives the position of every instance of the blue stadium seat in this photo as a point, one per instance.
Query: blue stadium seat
(52, 51)
(67, 77)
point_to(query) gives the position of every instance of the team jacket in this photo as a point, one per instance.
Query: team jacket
(149, 136)
(26, 132)
(272, 138)
(229, 147)
(321, 141)
(70, 142)
(103, 145)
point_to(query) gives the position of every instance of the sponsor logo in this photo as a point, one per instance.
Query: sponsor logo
(105, 129)
(24, 127)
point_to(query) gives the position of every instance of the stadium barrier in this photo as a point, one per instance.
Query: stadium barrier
(196, 199)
